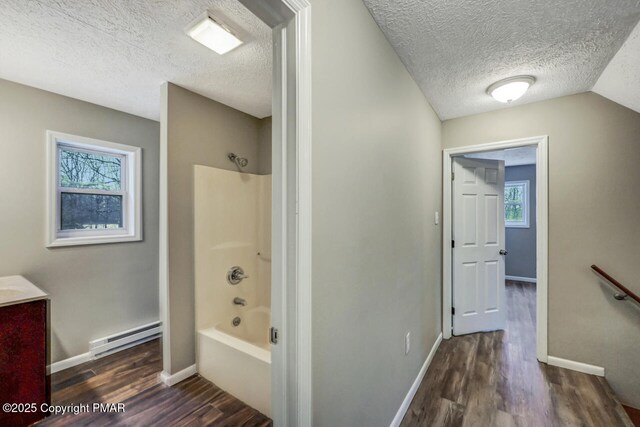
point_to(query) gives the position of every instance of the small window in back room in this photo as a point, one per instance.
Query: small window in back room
(94, 191)
(516, 204)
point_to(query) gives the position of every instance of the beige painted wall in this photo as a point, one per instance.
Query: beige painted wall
(198, 131)
(594, 153)
(89, 297)
(376, 250)
(264, 147)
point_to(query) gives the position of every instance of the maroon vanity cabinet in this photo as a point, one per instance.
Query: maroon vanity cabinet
(23, 361)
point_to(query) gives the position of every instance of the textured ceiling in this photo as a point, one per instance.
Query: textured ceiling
(620, 81)
(512, 156)
(118, 53)
(455, 49)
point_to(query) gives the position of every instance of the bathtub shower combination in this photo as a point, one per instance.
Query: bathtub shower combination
(233, 282)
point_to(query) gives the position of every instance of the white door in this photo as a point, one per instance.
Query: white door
(478, 246)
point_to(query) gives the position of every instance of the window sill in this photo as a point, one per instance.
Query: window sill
(517, 226)
(93, 240)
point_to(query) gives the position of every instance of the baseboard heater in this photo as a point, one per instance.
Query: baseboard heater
(124, 340)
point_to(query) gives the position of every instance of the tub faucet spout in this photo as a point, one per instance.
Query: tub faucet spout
(239, 301)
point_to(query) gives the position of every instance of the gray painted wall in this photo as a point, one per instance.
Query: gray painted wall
(594, 153)
(264, 147)
(197, 131)
(89, 297)
(521, 242)
(376, 250)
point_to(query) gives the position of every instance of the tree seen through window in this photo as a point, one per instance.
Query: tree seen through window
(91, 190)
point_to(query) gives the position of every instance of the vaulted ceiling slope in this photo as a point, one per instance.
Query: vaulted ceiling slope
(118, 53)
(620, 81)
(456, 49)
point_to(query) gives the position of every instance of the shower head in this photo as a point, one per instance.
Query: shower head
(239, 161)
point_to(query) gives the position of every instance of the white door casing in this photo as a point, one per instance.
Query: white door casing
(291, 395)
(478, 236)
(542, 231)
(291, 373)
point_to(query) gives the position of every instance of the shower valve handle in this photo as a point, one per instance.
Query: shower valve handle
(240, 276)
(235, 275)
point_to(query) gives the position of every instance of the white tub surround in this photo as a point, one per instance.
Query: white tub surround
(232, 219)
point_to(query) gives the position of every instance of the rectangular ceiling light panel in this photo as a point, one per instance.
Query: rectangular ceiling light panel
(213, 35)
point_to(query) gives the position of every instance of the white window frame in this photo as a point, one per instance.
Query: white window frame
(131, 191)
(525, 206)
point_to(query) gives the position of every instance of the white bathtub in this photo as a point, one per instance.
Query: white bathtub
(238, 358)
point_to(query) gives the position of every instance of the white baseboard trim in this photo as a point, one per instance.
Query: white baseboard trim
(576, 366)
(109, 345)
(414, 387)
(171, 380)
(521, 279)
(69, 363)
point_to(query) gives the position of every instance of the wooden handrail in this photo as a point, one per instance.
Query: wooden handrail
(615, 283)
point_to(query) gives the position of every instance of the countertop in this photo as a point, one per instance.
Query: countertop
(17, 290)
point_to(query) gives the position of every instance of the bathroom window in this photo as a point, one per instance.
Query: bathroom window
(94, 191)
(516, 204)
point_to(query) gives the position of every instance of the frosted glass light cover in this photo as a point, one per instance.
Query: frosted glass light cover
(212, 35)
(509, 90)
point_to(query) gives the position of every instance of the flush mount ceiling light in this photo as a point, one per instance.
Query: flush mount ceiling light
(214, 35)
(510, 89)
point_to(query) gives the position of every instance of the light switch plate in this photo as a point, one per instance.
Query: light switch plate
(407, 343)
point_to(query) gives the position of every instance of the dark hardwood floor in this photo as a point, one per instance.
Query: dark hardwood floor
(494, 379)
(132, 377)
(486, 379)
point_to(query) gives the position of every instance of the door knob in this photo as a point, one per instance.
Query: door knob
(503, 252)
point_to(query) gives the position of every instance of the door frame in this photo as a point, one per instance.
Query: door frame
(542, 234)
(291, 372)
(291, 388)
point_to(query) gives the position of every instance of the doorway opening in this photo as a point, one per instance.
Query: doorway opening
(288, 256)
(495, 240)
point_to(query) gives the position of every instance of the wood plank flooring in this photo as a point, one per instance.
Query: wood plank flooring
(494, 379)
(132, 377)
